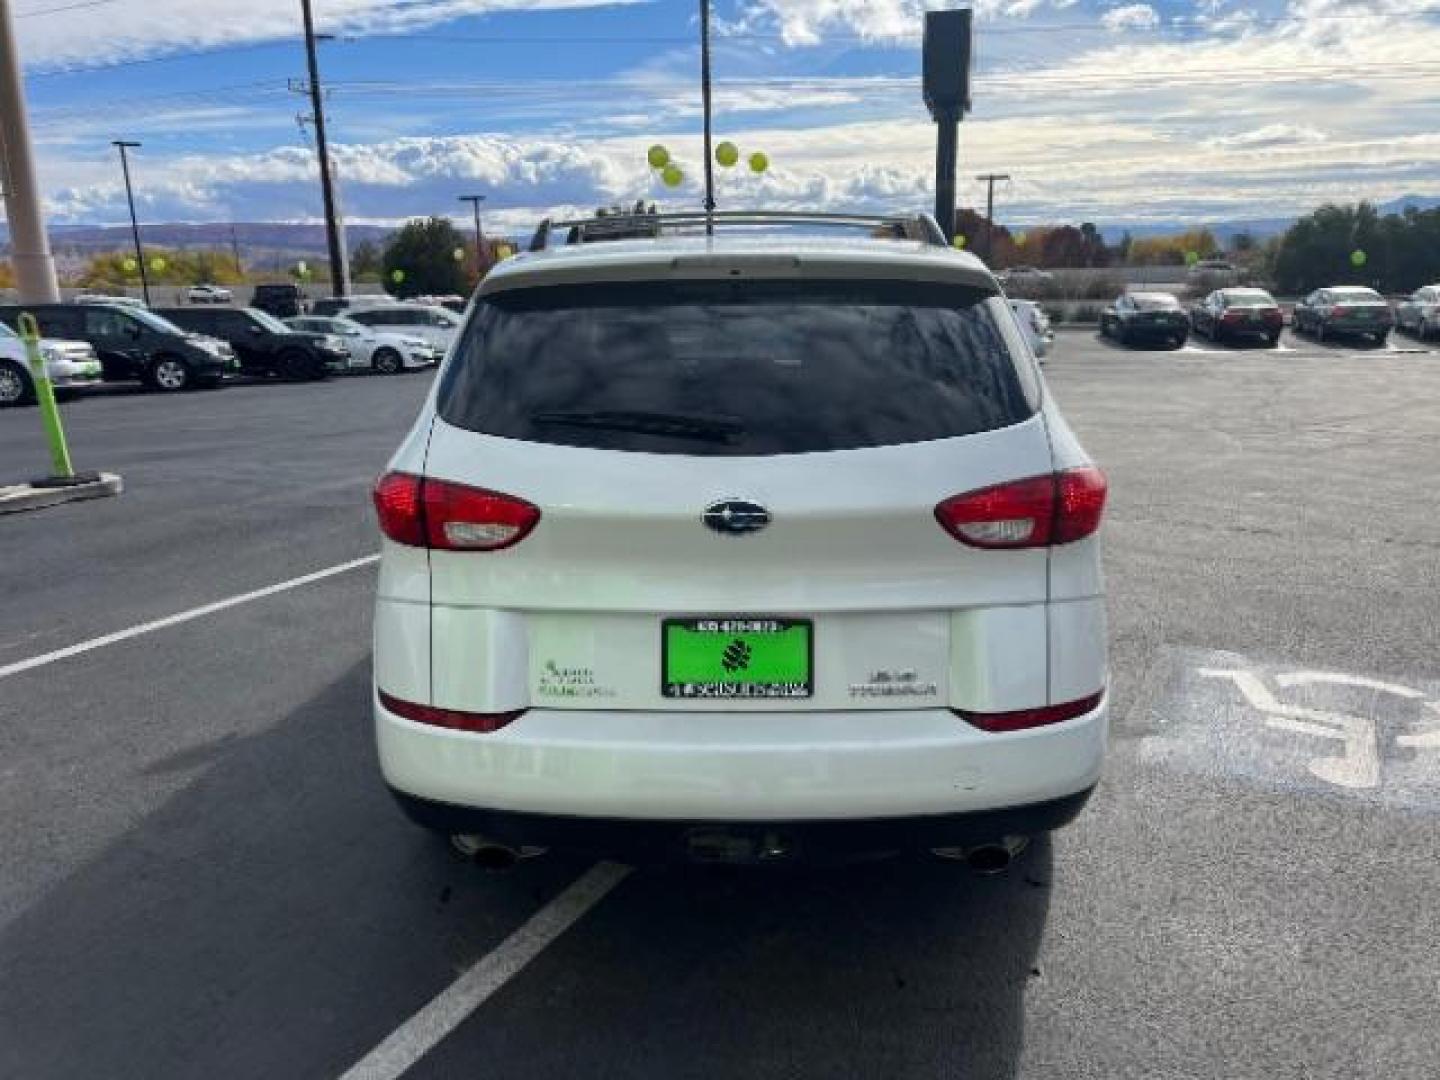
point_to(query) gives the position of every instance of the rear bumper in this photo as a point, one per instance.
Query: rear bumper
(639, 840)
(741, 767)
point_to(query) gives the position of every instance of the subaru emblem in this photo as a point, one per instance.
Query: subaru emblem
(735, 517)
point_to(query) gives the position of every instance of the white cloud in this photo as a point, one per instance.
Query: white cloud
(150, 27)
(1271, 135)
(1131, 17)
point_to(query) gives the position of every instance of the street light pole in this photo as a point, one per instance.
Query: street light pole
(29, 244)
(322, 148)
(706, 103)
(475, 201)
(990, 178)
(123, 145)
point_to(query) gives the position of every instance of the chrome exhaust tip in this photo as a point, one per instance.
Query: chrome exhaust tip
(987, 859)
(490, 854)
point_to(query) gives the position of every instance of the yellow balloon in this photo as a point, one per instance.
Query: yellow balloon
(959, 240)
(658, 157)
(157, 264)
(727, 154)
(130, 265)
(672, 176)
(1020, 239)
(759, 162)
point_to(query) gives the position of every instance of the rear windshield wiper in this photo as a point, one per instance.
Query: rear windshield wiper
(671, 425)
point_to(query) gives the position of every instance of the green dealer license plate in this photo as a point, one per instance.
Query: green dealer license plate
(737, 657)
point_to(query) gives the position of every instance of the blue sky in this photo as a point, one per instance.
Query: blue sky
(1101, 110)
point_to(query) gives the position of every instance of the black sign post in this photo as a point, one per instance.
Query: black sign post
(947, 96)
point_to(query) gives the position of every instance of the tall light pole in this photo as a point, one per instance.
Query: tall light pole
(124, 145)
(990, 178)
(705, 103)
(29, 244)
(475, 201)
(338, 273)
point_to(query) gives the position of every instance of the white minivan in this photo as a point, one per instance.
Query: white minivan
(434, 324)
(749, 548)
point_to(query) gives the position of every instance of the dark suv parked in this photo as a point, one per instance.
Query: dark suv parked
(282, 301)
(264, 345)
(133, 343)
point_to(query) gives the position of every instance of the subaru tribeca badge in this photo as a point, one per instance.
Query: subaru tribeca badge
(735, 517)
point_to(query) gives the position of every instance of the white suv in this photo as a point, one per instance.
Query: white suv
(748, 548)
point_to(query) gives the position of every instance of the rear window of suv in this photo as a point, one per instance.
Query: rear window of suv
(729, 368)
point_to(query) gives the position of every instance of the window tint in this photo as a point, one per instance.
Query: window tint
(105, 322)
(734, 368)
(1150, 302)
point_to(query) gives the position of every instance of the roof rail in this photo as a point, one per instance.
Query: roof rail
(921, 227)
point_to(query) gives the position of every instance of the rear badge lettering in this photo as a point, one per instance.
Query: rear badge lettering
(903, 683)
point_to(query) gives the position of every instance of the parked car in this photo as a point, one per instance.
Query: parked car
(69, 365)
(434, 324)
(265, 345)
(331, 306)
(449, 302)
(1231, 314)
(133, 343)
(1217, 271)
(284, 300)
(1147, 317)
(1344, 310)
(103, 298)
(1035, 324)
(1025, 276)
(659, 573)
(1419, 314)
(208, 294)
(387, 354)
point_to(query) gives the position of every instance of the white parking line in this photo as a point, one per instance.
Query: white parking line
(415, 1038)
(182, 617)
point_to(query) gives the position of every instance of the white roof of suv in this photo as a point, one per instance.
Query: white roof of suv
(771, 254)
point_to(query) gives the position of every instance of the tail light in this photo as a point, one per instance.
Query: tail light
(1023, 719)
(1230, 316)
(454, 719)
(1274, 315)
(1339, 309)
(421, 512)
(1036, 512)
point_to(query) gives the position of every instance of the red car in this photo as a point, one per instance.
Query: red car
(1230, 314)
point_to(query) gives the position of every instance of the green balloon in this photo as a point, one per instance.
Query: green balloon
(672, 176)
(959, 240)
(727, 154)
(397, 276)
(658, 157)
(157, 264)
(1020, 239)
(759, 162)
(1358, 258)
(1191, 258)
(130, 266)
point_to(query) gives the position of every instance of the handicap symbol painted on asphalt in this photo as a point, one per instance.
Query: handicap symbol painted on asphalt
(1358, 764)
(1372, 738)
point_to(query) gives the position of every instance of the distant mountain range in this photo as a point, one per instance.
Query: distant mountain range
(1257, 227)
(262, 243)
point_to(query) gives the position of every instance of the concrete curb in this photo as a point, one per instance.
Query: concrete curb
(18, 497)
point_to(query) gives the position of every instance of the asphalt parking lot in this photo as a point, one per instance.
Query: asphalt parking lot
(204, 876)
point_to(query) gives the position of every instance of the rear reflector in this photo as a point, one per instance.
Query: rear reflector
(454, 719)
(422, 512)
(1023, 719)
(1035, 512)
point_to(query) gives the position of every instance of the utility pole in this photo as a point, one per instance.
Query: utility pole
(29, 244)
(475, 201)
(989, 179)
(123, 145)
(339, 272)
(705, 100)
(235, 250)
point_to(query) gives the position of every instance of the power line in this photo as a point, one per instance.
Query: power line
(64, 7)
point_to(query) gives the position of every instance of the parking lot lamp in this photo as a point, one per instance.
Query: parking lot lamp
(123, 146)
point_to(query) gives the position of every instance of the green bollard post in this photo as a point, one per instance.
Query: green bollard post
(45, 399)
